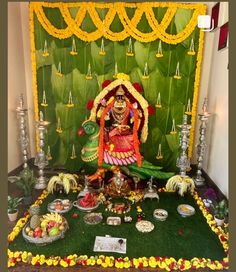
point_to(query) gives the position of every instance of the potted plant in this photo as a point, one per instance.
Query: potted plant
(220, 212)
(209, 197)
(62, 183)
(12, 207)
(26, 182)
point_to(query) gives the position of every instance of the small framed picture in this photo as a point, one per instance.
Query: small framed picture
(215, 14)
(223, 36)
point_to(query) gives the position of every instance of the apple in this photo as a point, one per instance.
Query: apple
(27, 229)
(31, 233)
(75, 215)
(38, 232)
(61, 228)
(51, 224)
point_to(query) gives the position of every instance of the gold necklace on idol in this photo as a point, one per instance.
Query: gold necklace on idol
(119, 115)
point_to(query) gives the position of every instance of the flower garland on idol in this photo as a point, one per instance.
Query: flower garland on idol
(166, 263)
(122, 79)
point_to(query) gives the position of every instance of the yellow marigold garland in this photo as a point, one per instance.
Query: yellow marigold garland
(34, 76)
(119, 8)
(196, 92)
(166, 263)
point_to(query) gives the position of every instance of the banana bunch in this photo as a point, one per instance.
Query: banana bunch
(52, 183)
(52, 217)
(180, 184)
(68, 181)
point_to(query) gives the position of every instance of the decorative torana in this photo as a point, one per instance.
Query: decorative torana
(130, 25)
(73, 29)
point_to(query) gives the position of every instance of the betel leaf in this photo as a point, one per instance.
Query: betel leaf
(43, 61)
(73, 11)
(119, 57)
(145, 53)
(181, 19)
(102, 64)
(61, 85)
(116, 25)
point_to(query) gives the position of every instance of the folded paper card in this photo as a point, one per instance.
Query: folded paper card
(110, 244)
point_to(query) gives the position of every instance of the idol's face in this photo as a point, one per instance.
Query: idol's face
(120, 98)
(120, 101)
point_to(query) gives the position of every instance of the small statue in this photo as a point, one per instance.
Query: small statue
(118, 184)
(119, 181)
(150, 185)
(86, 188)
(151, 192)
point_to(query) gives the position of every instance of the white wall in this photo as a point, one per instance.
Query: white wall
(28, 74)
(217, 160)
(214, 84)
(19, 80)
(16, 82)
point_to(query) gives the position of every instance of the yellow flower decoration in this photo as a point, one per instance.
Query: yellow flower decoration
(123, 76)
(109, 261)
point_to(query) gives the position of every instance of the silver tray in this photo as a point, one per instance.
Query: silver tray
(59, 211)
(93, 218)
(144, 226)
(113, 220)
(89, 209)
(185, 210)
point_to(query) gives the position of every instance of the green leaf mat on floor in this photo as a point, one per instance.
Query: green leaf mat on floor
(176, 237)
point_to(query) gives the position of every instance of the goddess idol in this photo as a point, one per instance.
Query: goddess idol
(118, 131)
(117, 125)
(120, 112)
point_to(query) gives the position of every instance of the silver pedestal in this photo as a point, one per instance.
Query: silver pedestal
(199, 179)
(41, 158)
(24, 141)
(183, 162)
(41, 183)
(201, 147)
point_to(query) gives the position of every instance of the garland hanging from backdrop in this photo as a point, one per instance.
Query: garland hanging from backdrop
(77, 46)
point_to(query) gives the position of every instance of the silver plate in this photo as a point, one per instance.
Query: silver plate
(185, 210)
(50, 209)
(93, 218)
(144, 226)
(83, 209)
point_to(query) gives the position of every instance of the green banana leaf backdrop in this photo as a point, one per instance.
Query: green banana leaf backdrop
(174, 93)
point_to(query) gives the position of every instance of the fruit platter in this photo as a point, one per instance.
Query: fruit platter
(60, 206)
(87, 203)
(45, 229)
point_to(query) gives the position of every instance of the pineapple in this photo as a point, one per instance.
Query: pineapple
(34, 209)
(35, 221)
